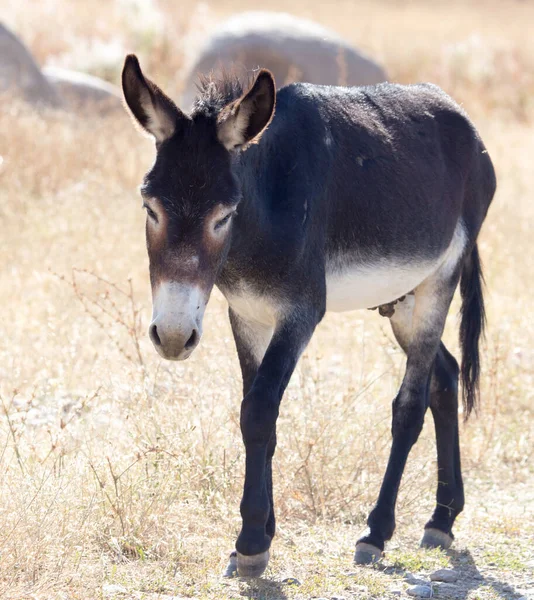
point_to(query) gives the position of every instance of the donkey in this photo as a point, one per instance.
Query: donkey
(345, 198)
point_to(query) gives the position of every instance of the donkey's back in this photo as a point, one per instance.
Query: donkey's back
(387, 159)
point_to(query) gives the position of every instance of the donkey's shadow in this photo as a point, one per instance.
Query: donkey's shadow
(470, 578)
(465, 563)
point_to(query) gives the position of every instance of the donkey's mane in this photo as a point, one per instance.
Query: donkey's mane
(216, 90)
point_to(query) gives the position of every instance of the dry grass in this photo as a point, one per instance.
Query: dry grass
(119, 469)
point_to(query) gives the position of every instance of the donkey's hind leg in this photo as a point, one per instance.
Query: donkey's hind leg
(444, 407)
(418, 323)
(450, 492)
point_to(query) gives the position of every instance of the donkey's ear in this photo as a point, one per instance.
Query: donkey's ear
(243, 121)
(152, 109)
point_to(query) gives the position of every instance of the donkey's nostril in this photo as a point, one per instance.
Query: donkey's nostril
(154, 335)
(192, 341)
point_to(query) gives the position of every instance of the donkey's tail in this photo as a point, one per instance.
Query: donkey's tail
(473, 321)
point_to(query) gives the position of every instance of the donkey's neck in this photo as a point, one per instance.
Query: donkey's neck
(252, 232)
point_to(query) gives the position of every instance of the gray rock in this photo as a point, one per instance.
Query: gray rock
(293, 49)
(446, 575)
(20, 74)
(420, 591)
(410, 578)
(81, 91)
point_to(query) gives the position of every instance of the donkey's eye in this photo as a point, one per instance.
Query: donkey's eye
(223, 221)
(151, 213)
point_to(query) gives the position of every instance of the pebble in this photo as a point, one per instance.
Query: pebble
(410, 578)
(446, 575)
(110, 589)
(337, 598)
(420, 591)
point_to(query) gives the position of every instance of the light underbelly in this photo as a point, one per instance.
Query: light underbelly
(367, 286)
(352, 285)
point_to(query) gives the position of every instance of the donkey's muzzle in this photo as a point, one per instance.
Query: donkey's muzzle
(176, 325)
(173, 345)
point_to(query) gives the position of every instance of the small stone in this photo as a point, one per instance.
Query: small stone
(410, 578)
(291, 581)
(420, 591)
(446, 575)
(337, 598)
(110, 589)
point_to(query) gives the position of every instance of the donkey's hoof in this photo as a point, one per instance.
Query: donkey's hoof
(252, 566)
(231, 567)
(435, 538)
(366, 554)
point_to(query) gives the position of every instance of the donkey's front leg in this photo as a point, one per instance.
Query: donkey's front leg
(432, 300)
(259, 412)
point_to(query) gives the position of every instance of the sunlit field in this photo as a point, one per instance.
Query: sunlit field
(120, 473)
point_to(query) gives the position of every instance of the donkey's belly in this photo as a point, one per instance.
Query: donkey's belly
(367, 286)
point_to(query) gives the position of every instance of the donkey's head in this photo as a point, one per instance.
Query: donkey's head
(190, 195)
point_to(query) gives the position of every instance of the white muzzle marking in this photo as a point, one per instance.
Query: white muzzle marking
(176, 328)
